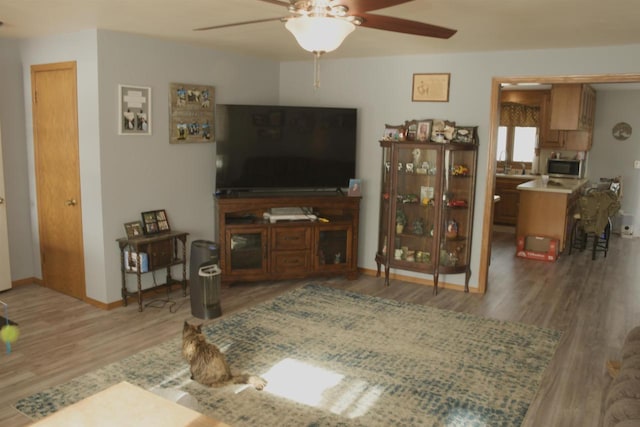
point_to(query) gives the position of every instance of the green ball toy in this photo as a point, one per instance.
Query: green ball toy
(9, 334)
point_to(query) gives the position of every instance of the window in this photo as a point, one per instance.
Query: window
(517, 135)
(516, 144)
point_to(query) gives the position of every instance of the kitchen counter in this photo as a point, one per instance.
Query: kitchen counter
(555, 185)
(547, 210)
(516, 176)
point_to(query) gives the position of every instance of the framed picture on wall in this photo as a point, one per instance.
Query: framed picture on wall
(191, 113)
(433, 87)
(134, 110)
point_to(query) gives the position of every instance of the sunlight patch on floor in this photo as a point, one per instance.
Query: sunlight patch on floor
(459, 417)
(311, 385)
(300, 381)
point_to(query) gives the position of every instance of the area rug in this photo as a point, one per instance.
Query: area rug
(340, 358)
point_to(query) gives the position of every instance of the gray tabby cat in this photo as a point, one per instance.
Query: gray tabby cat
(208, 364)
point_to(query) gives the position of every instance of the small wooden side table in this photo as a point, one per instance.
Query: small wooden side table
(161, 252)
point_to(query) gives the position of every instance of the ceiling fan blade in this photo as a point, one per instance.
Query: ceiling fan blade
(277, 2)
(357, 7)
(398, 25)
(257, 21)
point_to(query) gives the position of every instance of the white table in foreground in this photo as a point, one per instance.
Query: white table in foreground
(125, 405)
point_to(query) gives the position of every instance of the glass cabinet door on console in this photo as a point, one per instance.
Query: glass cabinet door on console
(247, 250)
(333, 246)
(426, 207)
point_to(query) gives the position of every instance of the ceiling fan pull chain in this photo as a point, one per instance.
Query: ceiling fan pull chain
(316, 70)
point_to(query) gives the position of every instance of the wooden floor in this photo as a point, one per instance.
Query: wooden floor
(594, 303)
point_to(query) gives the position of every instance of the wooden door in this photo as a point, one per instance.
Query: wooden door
(5, 267)
(55, 135)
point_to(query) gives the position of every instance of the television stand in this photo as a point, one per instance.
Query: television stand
(262, 250)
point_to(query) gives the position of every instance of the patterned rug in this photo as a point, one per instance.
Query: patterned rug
(340, 358)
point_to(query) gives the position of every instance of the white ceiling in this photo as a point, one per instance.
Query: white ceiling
(483, 25)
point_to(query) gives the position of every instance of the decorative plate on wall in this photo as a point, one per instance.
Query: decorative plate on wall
(621, 131)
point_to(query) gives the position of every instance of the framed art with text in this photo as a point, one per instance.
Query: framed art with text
(430, 87)
(191, 113)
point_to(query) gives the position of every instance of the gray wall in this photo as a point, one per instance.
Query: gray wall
(14, 153)
(381, 90)
(124, 175)
(610, 157)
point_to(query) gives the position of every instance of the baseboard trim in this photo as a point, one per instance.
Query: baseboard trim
(420, 281)
(27, 281)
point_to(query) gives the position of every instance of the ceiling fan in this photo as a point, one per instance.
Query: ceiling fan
(320, 26)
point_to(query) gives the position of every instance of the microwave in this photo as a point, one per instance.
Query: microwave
(565, 168)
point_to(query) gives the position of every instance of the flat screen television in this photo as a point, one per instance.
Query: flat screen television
(277, 148)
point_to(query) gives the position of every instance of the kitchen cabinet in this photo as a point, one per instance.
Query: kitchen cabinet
(426, 208)
(576, 140)
(506, 211)
(572, 107)
(571, 118)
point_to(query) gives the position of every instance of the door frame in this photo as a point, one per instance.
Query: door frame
(496, 84)
(5, 254)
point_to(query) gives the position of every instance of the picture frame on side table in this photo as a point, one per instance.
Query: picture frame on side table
(430, 87)
(155, 221)
(133, 229)
(134, 110)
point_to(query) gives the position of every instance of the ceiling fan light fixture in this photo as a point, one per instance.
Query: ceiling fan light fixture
(319, 34)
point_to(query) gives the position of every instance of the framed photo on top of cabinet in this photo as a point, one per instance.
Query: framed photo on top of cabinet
(134, 110)
(412, 130)
(155, 221)
(191, 113)
(393, 133)
(465, 134)
(430, 87)
(424, 130)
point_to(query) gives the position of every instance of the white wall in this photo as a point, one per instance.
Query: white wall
(381, 90)
(14, 150)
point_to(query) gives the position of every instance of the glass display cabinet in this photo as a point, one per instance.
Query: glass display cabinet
(426, 208)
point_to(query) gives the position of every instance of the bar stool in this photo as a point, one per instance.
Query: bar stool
(594, 221)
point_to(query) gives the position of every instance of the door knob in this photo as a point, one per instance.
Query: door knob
(1, 201)
(70, 202)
